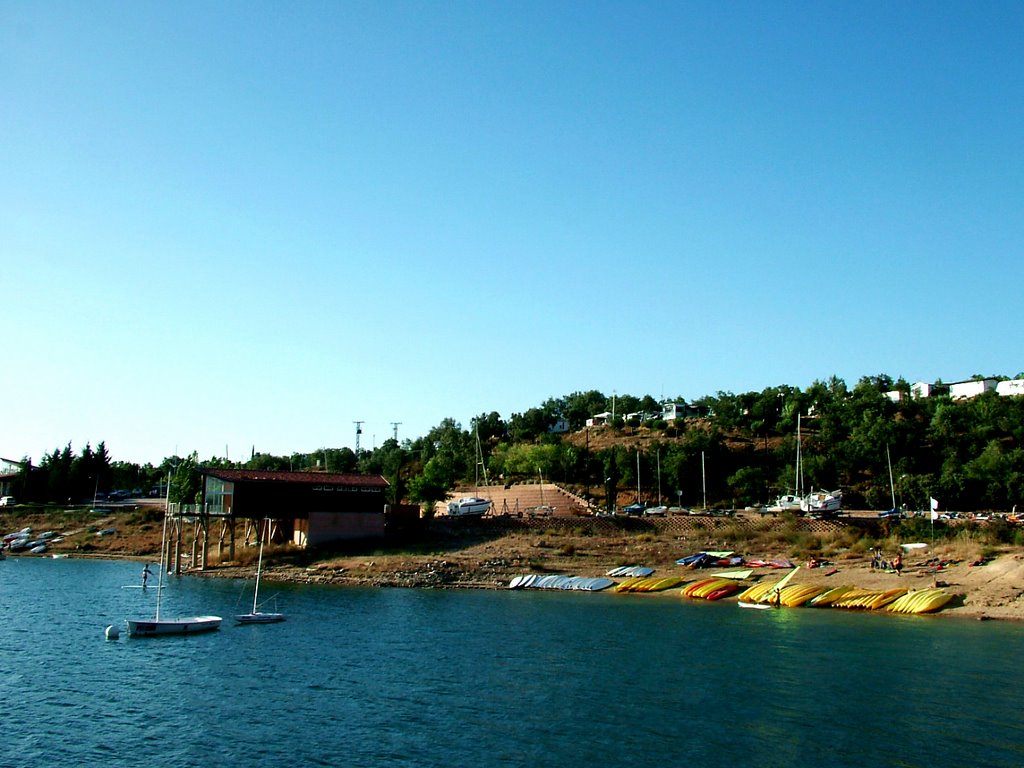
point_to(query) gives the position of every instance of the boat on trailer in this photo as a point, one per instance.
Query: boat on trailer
(472, 506)
(468, 506)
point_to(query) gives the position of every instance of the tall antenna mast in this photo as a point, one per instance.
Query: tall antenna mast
(394, 425)
(359, 431)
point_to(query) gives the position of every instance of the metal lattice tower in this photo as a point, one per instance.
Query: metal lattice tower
(359, 431)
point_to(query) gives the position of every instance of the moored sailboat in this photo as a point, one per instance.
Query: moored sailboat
(178, 626)
(256, 616)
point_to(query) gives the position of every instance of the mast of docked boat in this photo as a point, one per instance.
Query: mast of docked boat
(703, 480)
(799, 479)
(658, 458)
(892, 486)
(163, 548)
(259, 566)
(479, 459)
(637, 475)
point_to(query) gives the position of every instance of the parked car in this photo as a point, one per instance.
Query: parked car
(634, 509)
(6, 501)
(891, 514)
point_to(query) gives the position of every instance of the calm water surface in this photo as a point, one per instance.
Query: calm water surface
(464, 678)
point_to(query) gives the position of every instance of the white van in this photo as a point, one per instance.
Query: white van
(6, 501)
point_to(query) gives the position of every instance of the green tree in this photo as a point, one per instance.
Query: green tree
(580, 406)
(186, 481)
(432, 484)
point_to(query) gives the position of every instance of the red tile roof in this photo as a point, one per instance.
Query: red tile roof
(312, 478)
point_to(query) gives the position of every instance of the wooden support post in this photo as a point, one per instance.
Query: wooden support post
(177, 546)
(165, 554)
(205, 525)
(220, 539)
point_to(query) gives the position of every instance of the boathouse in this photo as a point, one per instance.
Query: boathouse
(309, 508)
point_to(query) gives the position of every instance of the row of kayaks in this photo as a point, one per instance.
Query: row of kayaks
(553, 581)
(704, 589)
(714, 588)
(649, 583)
(761, 595)
(626, 571)
(898, 600)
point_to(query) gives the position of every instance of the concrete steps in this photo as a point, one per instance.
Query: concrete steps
(520, 500)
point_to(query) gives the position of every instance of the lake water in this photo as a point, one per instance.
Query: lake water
(489, 678)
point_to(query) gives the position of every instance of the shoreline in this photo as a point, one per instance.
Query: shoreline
(987, 581)
(980, 592)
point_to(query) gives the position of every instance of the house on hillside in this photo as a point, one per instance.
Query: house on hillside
(309, 508)
(599, 419)
(922, 389)
(1010, 387)
(964, 390)
(673, 411)
(10, 471)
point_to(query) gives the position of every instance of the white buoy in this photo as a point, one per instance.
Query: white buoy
(112, 632)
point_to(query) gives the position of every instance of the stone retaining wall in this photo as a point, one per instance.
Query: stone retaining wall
(683, 524)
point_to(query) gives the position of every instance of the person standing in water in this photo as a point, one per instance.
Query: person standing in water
(146, 573)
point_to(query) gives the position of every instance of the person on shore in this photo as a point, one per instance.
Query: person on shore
(877, 561)
(897, 563)
(146, 573)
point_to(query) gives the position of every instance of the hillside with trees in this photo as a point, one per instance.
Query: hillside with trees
(738, 450)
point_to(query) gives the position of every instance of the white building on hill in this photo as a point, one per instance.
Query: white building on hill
(964, 390)
(1010, 387)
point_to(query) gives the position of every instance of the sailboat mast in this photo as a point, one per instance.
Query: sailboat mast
(799, 480)
(163, 547)
(479, 460)
(259, 568)
(637, 475)
(703, 480)
(658, 457)
(892, 486)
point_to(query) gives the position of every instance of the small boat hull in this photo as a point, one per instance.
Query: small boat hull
(259, 618)
(468, 507)
(182, 626)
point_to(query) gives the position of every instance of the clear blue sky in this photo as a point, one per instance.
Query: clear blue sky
(236, 225)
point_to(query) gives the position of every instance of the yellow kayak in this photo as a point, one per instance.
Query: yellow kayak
(666, 583)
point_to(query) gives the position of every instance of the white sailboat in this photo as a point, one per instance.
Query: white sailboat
(791, 502)
(256, 616)
(472, 506)
(179, 626)
(820, 503)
